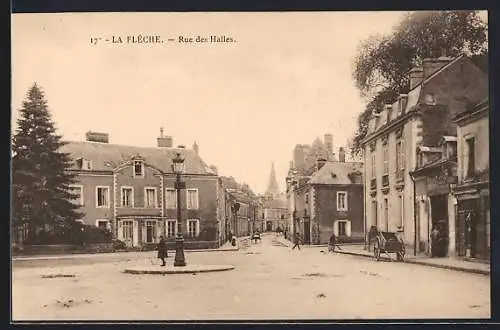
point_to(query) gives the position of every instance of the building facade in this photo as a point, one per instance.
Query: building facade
(472, 191)
(329, 201)
(131, 192)
(439, 90)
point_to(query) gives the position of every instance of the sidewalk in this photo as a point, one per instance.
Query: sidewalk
(225, 247)
(456, 264)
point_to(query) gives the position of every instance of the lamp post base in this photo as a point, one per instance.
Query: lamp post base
(179, 260)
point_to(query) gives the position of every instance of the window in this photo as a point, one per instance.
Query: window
(150, 197)
(471, 153)
(342, 228)
(127, 197)
(102, 197)
(386, 159)
(341, 201)
(399, 156)
(78, 191)
(150, 231)
(374, 175)
(128, 229)
(171, 228)
(86, 164)
(192, 199)
(138, 168)
(193, 227)
(171, 198)
(102, 224)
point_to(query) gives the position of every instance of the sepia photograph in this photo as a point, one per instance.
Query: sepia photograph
(250, 166)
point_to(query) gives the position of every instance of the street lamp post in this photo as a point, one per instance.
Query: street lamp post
(291, 183)
(178, 169)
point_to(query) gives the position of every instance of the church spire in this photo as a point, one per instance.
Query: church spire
(272, 186)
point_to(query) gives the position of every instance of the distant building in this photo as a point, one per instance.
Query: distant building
(275, 213)
(329, 200)
(130, 191)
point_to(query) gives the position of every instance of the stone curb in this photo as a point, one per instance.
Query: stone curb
(76, 255)
(178, 270)
(423, 263)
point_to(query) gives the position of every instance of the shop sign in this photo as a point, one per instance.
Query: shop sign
(437, 182)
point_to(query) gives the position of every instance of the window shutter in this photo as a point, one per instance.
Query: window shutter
(336, 228)
(348, 228)
(120, 231)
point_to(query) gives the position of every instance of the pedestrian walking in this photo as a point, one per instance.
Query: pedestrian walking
(162, 251)
(296, 241)
(332, 242)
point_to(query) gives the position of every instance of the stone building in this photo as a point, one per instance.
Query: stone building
(130, 191)
(472, 191)
(439, 90)
(328, 200)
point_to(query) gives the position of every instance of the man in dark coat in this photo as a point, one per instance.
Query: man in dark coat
(162, 250)
(332, 242)
(296, 241)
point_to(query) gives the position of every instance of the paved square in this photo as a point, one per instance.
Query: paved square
(269, 282)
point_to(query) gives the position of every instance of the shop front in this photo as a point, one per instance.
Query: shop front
(435, 208)
(473, 221)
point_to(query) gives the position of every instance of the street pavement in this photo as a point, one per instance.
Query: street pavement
(270, 281)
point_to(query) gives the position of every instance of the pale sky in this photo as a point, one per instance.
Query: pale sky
(286, 80)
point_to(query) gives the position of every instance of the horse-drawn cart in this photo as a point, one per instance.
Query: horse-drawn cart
(386, 242)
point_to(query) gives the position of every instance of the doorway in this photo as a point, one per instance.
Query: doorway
(439, 219)
(307, 232)
(386, 214)
(269, 226)
(374, 214)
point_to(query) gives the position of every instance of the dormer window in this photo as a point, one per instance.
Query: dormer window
(84, 164)
(138, 168)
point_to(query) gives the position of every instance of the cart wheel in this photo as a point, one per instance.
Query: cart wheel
(376, 250)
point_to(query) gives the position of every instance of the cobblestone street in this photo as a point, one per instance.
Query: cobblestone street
(270, 281)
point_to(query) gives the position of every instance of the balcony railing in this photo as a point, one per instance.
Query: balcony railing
(385, 180)
(373, 184)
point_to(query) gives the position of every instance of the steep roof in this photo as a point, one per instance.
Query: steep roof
(336, 173)
(481, 61)
(106, 156)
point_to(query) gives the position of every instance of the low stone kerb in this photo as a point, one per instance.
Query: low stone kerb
(188, 269)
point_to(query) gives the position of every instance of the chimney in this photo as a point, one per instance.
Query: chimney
(196, 148)
(388, 110)
(328, 141)
(416, 76)
(320, 162)
(341, 155)
(164, 141)
(432, 65)
(402, 101)
(97, 137)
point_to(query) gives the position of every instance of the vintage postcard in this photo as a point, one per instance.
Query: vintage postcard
(250, 166)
